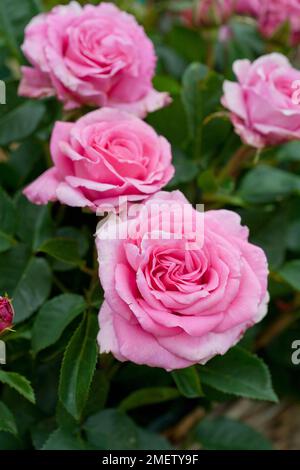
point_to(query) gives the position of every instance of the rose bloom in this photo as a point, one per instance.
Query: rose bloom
(273, 14)
(209, 12)
(262, 105)
(105, 154)
(6, 314)
(171, 300)
(91, 55)
(248, 7)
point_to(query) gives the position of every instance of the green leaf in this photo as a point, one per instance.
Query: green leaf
(148, 396)
(26, 158)
(21, 122)
(268, 229)
(239, 373)
(170, 122)
(62, 249)
(41, 431)
(81, 238)
(166, 83)
(186, 170)
(148, 440)
(186, 42)
(188, 382)
(7, 420)
(62, 440)
(201, 93)
(64, 420)
(290, 272)
(14, 16)
(78, 367)
(7, 221)
(34, 224)
(52, 319)
(266, 184)
(10, 442)
(98, 393)
(18, 383)
(226, 434)
(113, 430)
(26, 279)
(289, 152)
(32, 289)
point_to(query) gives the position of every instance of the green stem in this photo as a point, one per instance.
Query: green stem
(235, 164)
(60, 285)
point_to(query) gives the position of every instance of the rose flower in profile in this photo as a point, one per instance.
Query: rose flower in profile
(180, 286)
(106, 154)
(262, 103)
(91, 55)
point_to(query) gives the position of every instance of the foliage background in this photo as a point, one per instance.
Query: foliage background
(55, 391)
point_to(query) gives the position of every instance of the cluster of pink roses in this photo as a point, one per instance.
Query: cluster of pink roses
(165, 305)
(271, 15)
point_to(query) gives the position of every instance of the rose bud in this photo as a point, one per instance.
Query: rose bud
(6, 313)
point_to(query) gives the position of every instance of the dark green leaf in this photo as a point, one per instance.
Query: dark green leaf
(78, 367)
(113, 430)
(290, 272)
(27, 280)
(186, 170)
(80, 237)
(7, 221)
(289, 152)
(18, 383)
(148, 396)
(187, 42)
(170, 122)
(267, 184)
(7, 421)
(62, 249)
(98, 393)
(239, 373)
(14, 16)
(188, 382)
(34, 224)
(201, 93)
(226, 434)
(62, 440)
(21, 122)
(52, 319)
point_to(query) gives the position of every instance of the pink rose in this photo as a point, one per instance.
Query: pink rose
(104, 155)
(273, 14)
(173, 298)
(6, 314)
(94, 55)
(262, 102)
(209, 12)
(248, 7)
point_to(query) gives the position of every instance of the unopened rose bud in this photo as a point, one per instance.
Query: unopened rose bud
(6, 313)
(209, 13)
